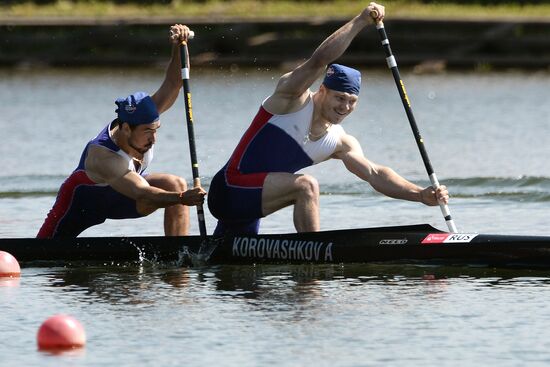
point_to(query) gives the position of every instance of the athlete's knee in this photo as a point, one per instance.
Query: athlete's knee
(179, 183)
(166, 181)
(308, 185)
(176, 183)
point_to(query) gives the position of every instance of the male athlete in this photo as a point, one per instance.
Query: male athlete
(296, 128)
(110, 180)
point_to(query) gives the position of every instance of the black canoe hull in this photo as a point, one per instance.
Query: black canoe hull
(402, 244)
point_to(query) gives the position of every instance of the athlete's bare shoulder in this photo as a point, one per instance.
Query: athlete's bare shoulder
(103, 165)
(347, 144)
(281, 104)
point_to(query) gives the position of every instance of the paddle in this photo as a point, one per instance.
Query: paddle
(392, 64)
(205, 249)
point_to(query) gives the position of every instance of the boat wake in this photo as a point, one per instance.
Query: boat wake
(524, 188)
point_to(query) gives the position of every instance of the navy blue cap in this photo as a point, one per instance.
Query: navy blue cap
(343, 79)
(137, 109)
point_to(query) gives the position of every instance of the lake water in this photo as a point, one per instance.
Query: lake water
(487, 134)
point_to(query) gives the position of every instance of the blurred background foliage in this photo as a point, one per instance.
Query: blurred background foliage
(220, 9)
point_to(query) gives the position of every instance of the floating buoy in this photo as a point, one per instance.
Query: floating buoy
(61, 332)
(9, 267)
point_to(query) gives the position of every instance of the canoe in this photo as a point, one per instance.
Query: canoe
(413, 244)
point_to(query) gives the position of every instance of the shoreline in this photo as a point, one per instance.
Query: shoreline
(204, 19)
(430, 44)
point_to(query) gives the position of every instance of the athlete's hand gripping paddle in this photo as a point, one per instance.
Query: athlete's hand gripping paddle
(392, 65)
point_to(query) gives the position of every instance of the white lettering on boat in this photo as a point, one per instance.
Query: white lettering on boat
(436, 238)
(267, 248)
(328, 252)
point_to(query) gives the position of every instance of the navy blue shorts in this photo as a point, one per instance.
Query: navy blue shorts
(81, 204)
(237, 209)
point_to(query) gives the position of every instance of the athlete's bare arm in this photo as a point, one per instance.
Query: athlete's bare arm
(292, 89)
(105, 166)
(384, 179)
(167, 94)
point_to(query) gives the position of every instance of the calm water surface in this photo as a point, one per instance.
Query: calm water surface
(488, 135)
(283, 316)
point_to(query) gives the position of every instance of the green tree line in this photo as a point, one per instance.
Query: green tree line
(160, 2)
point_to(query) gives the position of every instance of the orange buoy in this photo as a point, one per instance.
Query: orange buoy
(61, 332)
(9, 267)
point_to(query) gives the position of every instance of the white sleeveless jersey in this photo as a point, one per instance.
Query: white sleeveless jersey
(278, 143)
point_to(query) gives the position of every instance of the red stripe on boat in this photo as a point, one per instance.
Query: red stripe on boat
(435, 238)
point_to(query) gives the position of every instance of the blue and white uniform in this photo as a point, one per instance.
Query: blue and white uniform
(272, 143)
(82, 203)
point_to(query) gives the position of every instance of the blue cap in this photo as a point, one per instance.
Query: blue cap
(343, 79)
(137, 109)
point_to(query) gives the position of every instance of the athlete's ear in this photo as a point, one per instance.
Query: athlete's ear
(125, 127)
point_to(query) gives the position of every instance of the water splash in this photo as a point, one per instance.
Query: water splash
(203, 254)
(142, 259)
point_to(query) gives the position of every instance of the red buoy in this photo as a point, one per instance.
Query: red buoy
(61, 332)
(9, 267)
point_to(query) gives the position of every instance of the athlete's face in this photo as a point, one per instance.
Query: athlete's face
(142, 137)
(337, 105)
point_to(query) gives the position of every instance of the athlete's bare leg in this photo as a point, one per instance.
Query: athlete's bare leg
(284, 189)
(176, 217)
